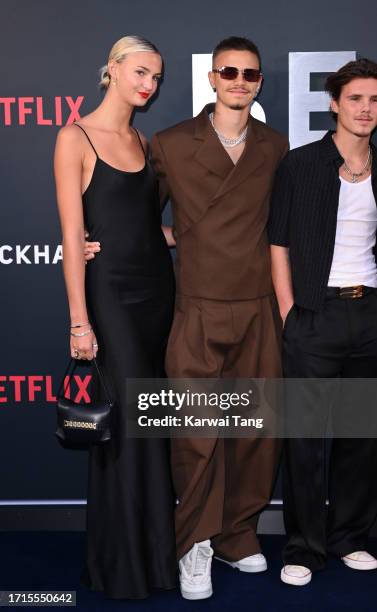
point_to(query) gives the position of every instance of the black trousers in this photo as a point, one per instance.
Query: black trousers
(339, 341)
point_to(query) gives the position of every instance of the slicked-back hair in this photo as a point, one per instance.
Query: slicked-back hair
(236, 43)
(119, 51)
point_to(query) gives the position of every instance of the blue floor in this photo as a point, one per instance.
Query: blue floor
(53, 561)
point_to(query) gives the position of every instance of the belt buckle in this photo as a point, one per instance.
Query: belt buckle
(356, 291)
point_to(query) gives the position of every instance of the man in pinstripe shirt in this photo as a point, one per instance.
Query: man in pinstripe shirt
(322, 231)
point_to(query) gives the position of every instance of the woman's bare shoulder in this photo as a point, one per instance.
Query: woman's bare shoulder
(69, 134)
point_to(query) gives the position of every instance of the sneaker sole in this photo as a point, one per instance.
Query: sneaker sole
(295, 580)
(200, 595)
(256, 569)
(360, 565)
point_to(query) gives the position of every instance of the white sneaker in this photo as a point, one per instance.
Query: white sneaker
(360, 560)
(253, 563)
(296, 574)
(195, 571)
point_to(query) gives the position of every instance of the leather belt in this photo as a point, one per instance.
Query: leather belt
(355, 291)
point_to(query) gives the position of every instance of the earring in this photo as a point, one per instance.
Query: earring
(214, 88)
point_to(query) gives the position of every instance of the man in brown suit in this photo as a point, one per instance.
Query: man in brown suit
(218, 169)
(226, 322)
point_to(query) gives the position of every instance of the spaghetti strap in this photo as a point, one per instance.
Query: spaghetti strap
(141, 144)
(90, 142)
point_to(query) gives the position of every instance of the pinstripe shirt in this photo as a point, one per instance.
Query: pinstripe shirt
(303, 215)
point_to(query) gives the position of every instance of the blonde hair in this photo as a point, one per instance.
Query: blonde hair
(123, 47)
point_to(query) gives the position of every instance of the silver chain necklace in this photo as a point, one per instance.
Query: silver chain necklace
(355, 175)
(229, 142)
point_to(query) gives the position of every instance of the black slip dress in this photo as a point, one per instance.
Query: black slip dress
(130, 298)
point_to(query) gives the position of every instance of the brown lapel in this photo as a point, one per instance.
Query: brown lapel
(210, 152)
(213, 157)
(251, 159)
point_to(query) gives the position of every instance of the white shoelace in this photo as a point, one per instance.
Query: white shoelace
(195, 566)
(201, 559)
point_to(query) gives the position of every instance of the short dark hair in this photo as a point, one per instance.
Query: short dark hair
(236, 43)
(358, 69)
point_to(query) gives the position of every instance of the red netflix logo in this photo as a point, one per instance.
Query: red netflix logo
(39, 388)
(19, 111)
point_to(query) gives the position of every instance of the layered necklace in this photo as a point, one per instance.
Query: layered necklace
(356, 175)
(229, 142)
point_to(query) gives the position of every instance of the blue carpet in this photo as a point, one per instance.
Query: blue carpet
(53, 561)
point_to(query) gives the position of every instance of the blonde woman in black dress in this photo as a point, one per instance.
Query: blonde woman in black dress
(121, 306)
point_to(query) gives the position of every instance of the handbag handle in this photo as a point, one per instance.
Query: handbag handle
(100, 376)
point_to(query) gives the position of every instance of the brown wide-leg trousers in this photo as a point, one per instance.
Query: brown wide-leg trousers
(223, 484)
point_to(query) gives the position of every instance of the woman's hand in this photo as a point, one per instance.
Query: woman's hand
(83, 347)
(90, 248)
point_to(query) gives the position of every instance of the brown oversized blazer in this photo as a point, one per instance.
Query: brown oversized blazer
(220, 210)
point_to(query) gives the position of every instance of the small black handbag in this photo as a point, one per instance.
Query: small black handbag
(83, 423)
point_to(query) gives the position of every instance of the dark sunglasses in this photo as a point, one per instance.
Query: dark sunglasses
(229, 73)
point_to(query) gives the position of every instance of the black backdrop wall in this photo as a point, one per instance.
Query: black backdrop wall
(50, 54)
